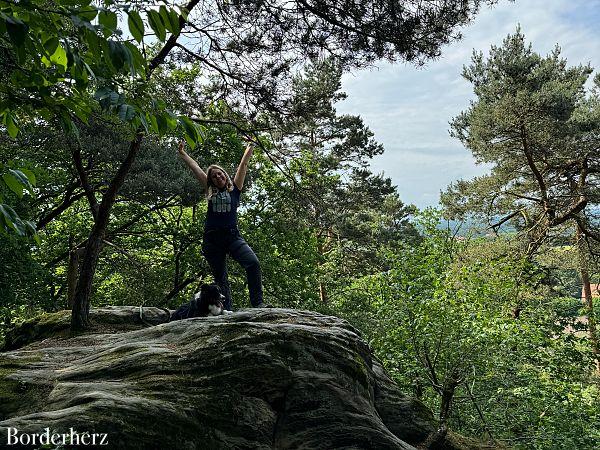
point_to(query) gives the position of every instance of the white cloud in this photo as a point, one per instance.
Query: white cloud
(409, 108)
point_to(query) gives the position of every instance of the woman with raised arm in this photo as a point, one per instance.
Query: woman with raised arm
(221, 234)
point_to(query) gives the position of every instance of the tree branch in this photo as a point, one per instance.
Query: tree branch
(497, 225)
(85, 182)
(162, 54)
(68, 200)
(536, 174)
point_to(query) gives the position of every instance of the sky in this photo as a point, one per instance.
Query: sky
(409, 108)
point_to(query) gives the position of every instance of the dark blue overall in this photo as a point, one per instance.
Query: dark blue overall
(222, 238)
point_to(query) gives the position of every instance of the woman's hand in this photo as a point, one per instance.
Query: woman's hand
(250, 142)
(180, 148)
(240, 173)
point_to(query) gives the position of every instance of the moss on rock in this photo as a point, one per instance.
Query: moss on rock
(37, 328)
(18, 395)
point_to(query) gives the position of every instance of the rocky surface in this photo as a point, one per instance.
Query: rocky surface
(256, 379)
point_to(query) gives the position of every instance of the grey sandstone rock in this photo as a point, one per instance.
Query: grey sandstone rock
(256, 379)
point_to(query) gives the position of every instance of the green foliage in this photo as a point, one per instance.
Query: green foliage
(76, 44)
(536, 123)
(446, 311)
(15, 182)
(55, 56)
(533, 121)
(24, 284)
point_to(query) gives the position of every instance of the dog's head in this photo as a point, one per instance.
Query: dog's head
(210, 300)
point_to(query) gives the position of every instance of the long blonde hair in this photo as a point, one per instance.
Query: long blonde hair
(211, 189)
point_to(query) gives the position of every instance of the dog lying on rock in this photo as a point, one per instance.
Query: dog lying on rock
(207, 302)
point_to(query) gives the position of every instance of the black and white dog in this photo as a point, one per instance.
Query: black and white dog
(207, 302)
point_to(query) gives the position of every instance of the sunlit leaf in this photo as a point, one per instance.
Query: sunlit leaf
(11, 126)
(136, 25)
(108, 19)
(156, 23)
(59, 57)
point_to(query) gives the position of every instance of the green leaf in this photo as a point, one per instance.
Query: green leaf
(171, 120)
(80, 22)
(50, 45)
(89, 70)
(21, 52)
(108, 20)
(126, 112)
(17, 31)
(107, 97)
(38, 80)
(136, 25)
(115, 98)
(153, 123)
(117, 54)
(80, 108)
(22, 179)
(190, 128)
(9, 217)
(128, 59)
(59, 57)
(29, 174)
(102, 93)
(163, 127)
(66, 122)
(184, 12)
(144, 121)
(157, 25)
(174, 19)
(139, 62)
(29, 228)
(87, 13)
(170, 19)
(11, 126)
(13, 184)
(164, 15)
(189, 141)
(92, 41)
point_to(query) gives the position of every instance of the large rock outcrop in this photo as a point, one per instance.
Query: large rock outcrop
(268, 378)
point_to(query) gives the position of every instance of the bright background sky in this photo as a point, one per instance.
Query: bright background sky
(409, 108)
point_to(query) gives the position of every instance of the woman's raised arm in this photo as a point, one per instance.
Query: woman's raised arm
(240, 174)
(193, 165)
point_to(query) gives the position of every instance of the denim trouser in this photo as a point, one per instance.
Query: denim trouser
(218, 243)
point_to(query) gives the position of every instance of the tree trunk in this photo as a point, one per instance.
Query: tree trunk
(73, 272)
(322, 288)
(436, 438)
(587, 295)
(81, 305)
(446, 403)
(323, 292)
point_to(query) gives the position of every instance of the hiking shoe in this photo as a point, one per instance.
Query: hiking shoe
(263, 305)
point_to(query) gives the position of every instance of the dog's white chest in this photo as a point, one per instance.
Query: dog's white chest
(215, 310)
